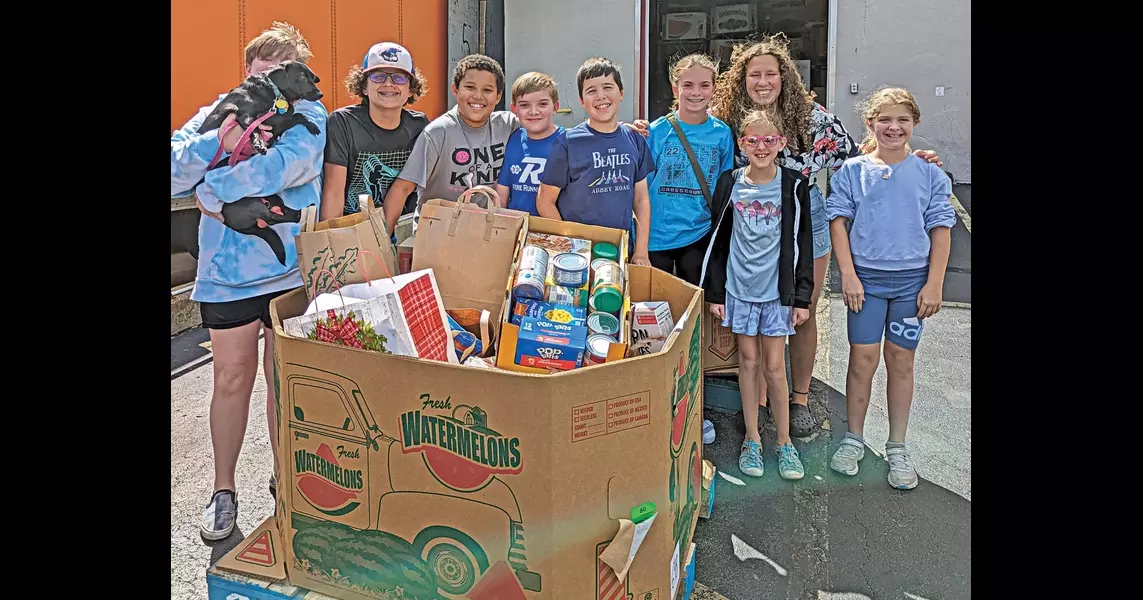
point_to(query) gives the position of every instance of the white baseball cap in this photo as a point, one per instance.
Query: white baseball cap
(388, 55)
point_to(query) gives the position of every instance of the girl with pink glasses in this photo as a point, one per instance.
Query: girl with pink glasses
(759, 278)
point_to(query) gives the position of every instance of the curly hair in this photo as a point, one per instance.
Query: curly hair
(357, 81)
(731, 100)
(879, 99)
(697, 59)
(479, 62)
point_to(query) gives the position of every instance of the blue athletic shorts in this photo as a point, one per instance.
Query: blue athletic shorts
(889, 308)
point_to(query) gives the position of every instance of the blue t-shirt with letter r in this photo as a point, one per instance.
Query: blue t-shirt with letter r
(596, 173)
(524, 161)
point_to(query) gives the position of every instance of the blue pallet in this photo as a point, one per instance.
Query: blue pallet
(721, 393)
(225, 585)
(689, 585)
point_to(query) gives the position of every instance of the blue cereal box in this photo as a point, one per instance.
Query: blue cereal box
(550, 345)
(557, 313)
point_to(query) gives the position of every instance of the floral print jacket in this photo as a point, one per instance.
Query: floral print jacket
(832, 145)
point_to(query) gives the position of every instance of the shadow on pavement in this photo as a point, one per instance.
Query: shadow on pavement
(219, 548)
(833, 534)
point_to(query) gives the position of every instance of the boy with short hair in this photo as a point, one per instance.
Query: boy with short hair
(367, 144)
(534, 101)
(596, 173)
(462, 148)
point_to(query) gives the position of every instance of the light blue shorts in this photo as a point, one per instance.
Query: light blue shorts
(770, 319)
(889, 308)
(819, 222)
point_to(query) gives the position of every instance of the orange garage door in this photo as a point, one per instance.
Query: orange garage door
(207, 56)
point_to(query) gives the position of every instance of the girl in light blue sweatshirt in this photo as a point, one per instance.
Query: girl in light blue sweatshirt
(890, 221)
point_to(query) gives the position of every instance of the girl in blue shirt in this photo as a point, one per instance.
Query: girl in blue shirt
(680, 206)
(890, 220)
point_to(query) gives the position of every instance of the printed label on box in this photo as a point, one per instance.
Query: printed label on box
(610, 416)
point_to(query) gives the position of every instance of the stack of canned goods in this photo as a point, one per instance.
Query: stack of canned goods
(578, 273)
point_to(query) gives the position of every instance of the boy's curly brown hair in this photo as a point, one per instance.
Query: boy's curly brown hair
(731, 100)
(479, 62)
(357, 80)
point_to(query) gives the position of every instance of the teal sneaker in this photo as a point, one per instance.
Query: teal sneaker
(750, 459)
(789, 465)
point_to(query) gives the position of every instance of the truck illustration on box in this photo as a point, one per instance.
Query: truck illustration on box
(374, 511)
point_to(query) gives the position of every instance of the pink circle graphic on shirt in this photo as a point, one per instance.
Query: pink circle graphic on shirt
(461, 156)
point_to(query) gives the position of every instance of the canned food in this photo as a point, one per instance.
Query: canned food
(533, 271)
(569, 269)
(597, 348)
(605, 250)
(607, 287)
(558, 294)
(604, 324)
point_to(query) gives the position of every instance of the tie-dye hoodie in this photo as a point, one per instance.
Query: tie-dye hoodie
(232, 265)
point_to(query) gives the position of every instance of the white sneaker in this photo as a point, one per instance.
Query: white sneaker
(707, 432)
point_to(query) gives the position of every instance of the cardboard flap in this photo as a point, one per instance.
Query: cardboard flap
(259, 554)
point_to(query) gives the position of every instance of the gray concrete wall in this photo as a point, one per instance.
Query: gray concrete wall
(464, 35)
(556, 36)
(918, 45)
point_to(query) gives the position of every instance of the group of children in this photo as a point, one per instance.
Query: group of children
(743, 234)
(756, 238)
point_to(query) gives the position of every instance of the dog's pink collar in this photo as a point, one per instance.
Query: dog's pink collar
(241, 151)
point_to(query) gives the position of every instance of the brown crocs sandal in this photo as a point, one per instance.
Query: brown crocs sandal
(801, 421)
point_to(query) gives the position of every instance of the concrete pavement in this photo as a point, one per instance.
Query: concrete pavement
(940, 423)
(192, 478)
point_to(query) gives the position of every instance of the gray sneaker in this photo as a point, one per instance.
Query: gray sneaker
(750, 459)
(847, 455)
(902, 475)
(219, 516)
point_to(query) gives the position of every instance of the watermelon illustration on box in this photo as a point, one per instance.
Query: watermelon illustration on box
(346, 466)
(412, 479)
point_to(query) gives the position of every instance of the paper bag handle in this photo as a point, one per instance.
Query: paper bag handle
(336, 285)
(490, 211)
(361, 266)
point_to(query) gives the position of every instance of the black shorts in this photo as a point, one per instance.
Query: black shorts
(236, 313)
(685, 263)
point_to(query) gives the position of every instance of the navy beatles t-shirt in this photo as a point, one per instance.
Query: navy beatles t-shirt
(596, 173)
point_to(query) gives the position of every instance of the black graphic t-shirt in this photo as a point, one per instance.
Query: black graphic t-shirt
(371, 155)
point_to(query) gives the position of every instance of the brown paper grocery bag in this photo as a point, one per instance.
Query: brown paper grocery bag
(328, 250)
(469, 249)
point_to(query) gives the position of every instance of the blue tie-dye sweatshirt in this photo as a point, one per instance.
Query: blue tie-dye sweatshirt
(231, 265)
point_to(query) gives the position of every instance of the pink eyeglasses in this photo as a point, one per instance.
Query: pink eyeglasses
(752, 141)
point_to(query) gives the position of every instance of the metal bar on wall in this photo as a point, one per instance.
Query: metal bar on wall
(831, 57)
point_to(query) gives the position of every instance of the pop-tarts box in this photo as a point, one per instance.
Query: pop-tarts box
(557, 313)
(550, 345)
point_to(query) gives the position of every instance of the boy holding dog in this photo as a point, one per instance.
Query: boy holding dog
(239, 274)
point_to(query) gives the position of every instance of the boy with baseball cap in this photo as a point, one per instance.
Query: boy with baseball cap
(367, 144)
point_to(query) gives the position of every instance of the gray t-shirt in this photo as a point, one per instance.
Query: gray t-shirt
(755, 243)
(450, 157)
